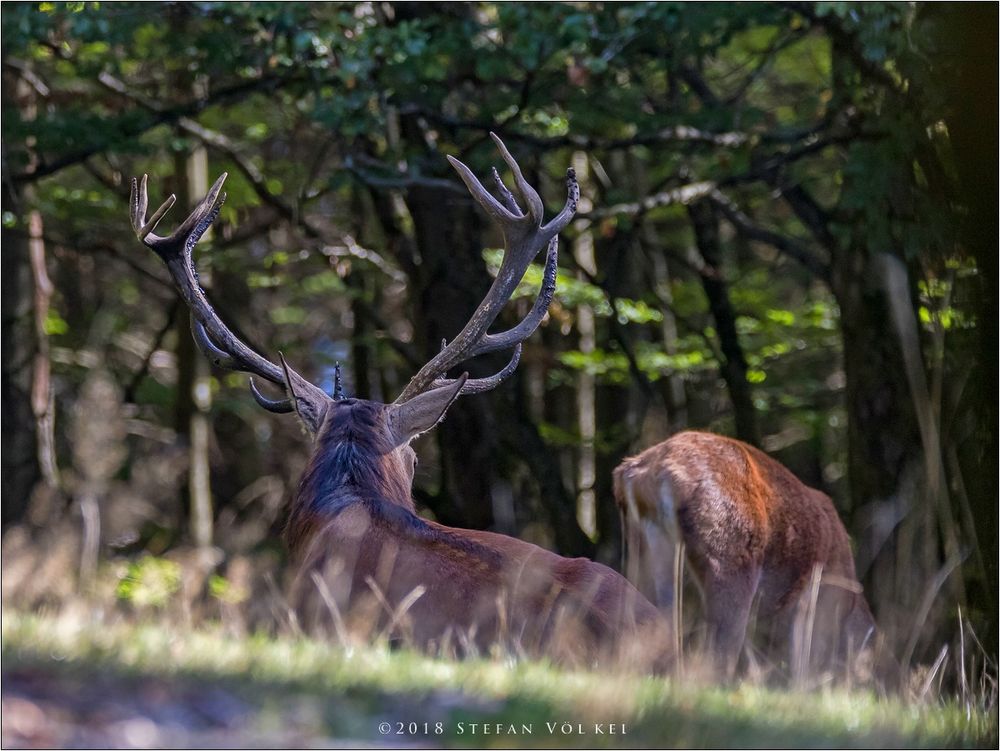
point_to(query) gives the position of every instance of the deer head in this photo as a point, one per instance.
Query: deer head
(427, 397)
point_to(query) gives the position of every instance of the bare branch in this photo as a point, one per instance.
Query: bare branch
(685, 195)
(223, 145)
(787, 245)
(669, 134)
(134, 129)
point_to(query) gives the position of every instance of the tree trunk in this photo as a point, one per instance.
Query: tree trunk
(520, 440)
(21, 466)
(734, 365)
(199, 480)
(194, 393)
(444, 293)
(42, 399)
(883, 439)
(586, 383)
(968, 38)
(20, 447)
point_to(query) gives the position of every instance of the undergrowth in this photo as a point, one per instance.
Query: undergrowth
(314, 692)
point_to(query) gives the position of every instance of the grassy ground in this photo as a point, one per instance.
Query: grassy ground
(77, 681)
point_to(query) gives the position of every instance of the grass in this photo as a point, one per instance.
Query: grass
(296, 691)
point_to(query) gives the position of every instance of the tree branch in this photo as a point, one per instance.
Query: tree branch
(847, 41)
(223, 145)
(787, 245)
(399, 180)
(685, 195)
(163, 117)
(670, 134)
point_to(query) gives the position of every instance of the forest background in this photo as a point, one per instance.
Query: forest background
(787, 234)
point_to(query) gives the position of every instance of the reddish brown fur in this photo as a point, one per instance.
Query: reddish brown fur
(751, 532)
(353, 524)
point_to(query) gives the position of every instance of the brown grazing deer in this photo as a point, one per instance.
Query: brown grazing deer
(364, 556)
(751, 532)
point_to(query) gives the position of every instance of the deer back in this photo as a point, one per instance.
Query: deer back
(390, 572)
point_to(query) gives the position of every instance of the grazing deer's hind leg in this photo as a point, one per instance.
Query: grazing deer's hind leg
(652, 538)
(661, 549)
(728, 598)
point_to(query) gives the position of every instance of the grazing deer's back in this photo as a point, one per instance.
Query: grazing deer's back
(750, 530)
(734, 499)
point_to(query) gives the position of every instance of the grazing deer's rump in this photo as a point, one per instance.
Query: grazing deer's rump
(751, 532)
(365, 558)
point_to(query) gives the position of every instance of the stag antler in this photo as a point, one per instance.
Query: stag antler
(214, 338)
(524, 236)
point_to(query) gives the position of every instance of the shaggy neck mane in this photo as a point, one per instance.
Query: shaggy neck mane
(350, 464)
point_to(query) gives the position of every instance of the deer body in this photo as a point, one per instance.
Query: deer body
(751, 533)
(354, 526)
(364, 556)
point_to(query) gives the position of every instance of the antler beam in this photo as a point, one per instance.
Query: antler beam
(213, 337)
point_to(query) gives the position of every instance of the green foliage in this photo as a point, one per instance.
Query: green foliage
(573, 292)
(612, 366)
(225, 591)
(336, 78)
(149, 582)
(54, 324)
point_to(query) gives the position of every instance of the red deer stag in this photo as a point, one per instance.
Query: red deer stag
(750, 531)
(363, 555)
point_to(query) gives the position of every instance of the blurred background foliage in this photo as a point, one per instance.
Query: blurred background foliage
(787, 234)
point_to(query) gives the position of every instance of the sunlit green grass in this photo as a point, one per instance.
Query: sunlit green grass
(360, 688)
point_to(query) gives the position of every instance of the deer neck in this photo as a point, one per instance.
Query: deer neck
(341, 473)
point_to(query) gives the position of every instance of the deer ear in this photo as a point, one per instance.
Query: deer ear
(310, 402)
(422, 412)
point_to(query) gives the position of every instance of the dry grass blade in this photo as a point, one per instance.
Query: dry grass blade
(397, 613)
(933, 673)
(805, 623)
(331, 605)
(926, 603)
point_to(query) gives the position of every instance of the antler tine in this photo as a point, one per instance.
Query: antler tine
(140, 202)
(529, 195)
(279, 406)
(524, 236)
(482, 196)
(204, 214)
(506, 195)
(480, 385)
(564, 217)
(218, 357)
(222, 359)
